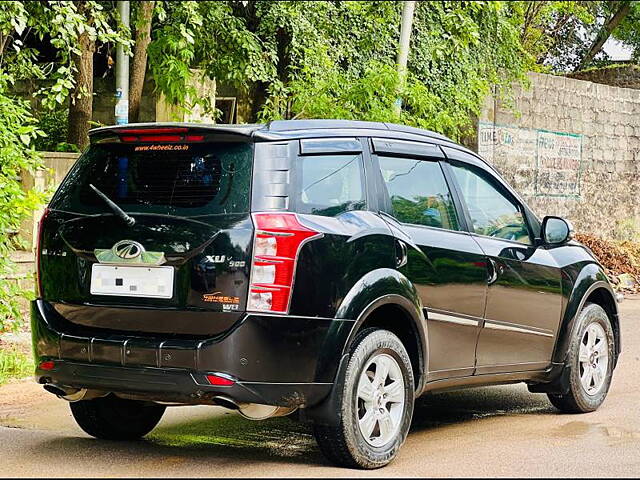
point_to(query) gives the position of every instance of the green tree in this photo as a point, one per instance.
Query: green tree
(570, 35)
(143, 15)
(60, 24)
(297, 59)
(554, 31)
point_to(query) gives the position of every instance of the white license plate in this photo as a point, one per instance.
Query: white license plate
(125, 281)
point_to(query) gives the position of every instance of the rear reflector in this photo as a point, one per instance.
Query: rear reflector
(220, 381)
(48, 365)
(277, 242)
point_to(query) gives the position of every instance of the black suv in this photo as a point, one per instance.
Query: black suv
(341, 268)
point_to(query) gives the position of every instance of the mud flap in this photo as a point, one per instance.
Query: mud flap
(559, 386)
(328, 412)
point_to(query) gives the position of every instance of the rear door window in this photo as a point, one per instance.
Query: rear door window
(418, 191)
(176, 179)
(331, 184)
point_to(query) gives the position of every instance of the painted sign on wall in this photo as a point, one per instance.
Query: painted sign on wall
(554, 158)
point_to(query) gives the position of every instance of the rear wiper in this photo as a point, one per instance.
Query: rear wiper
(130, 221)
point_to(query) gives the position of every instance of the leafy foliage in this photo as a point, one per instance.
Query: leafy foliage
(560, 33)
(58, 23)
(299, 59)
(554, 32)
(17, 153)
(53, 123)
(628, 31)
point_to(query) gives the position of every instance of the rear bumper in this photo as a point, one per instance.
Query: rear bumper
(275, 360)
(177, 385)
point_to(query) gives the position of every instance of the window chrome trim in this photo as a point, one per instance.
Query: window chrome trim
(515, 242)
(437, 229)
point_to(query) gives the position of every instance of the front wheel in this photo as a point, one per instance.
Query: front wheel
(376, 404)
(114, 418)
(591, 357)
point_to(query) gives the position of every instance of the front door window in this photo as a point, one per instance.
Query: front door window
(492, 213)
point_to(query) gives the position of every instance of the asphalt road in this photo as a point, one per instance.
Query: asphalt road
(489, 431)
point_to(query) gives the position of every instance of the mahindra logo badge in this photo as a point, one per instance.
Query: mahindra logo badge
(127, 249)
(127, 252)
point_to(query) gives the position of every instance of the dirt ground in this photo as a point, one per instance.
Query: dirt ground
(489, 431)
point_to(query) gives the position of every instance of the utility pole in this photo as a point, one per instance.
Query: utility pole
(122, 70)
(408, 8)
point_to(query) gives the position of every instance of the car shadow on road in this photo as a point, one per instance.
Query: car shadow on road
(434, 410)
(231, 438)
(227, 438)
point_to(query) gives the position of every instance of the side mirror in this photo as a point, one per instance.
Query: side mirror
(556, 230)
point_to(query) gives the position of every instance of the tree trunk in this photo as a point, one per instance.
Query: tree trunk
(604, 34)
(81, 104)
(142, 40)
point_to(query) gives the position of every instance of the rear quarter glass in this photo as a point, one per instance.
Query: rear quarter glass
(330, 184)
(173, 179)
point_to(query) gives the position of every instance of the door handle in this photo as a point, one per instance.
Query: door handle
(401, 253)
(493, 271)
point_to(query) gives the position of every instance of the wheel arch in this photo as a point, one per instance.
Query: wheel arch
(604, 297)
(382, 298)
(590, 286)
(399, 311)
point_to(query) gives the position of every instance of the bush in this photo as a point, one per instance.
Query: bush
(17, 154)
(54, 125)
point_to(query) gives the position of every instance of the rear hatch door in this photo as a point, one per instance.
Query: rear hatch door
(183, 266)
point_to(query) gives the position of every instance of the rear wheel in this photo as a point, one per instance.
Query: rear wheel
(591, 354)
(376, 404)
(114, 418)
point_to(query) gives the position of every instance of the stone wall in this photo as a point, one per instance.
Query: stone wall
(625, 76)
(572, 148)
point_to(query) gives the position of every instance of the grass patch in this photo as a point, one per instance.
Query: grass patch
(14, 363)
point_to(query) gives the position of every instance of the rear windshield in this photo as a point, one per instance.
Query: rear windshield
(175, 179)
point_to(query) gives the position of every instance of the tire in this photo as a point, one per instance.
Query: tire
(387, 421)
(588, 385)
(114, 418)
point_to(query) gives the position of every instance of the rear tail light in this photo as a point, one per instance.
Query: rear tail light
(47, 365)
(39, 253)
(220, 381)
(277, 242)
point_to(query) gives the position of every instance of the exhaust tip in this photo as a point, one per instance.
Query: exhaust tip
(73, 394)
(226, 403)
(55, 390)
